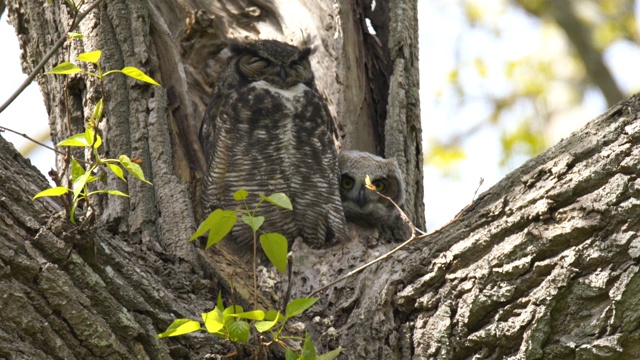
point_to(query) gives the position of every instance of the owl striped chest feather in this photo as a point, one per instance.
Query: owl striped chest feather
(266, 130)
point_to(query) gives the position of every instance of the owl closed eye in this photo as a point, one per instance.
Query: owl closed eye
(278, 65)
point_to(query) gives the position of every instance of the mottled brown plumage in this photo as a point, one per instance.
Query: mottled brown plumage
(267, 130)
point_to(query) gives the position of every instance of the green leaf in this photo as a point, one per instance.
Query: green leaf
(109, 192)
(254, 222)
(134, 73)
(54, 191)
(180, 327)
(89, 135)
(75, 35)
(213, 320)
(290, 355)
(240, 195)
(219, 223)
(297, 306)
(117, 170)
(308, 350)
(64, 68)
(97, 111)
(76, 169)
(276, 247)
(133, 168)
(278, 199)
(79, 184)
(251, 315)
(75, 140)
(239, 331)
(330, 355)
(272, 317)
(91, 56)
(219, 303)
(232, 310)
(73, 211)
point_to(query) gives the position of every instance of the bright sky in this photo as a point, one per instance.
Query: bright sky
(441, 25)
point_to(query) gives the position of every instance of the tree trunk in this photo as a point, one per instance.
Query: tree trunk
(106, 291)
(542, 265)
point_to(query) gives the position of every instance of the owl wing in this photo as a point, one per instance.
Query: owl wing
(208, 126)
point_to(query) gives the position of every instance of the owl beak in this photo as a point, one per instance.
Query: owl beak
(361, 197)
(282, 74)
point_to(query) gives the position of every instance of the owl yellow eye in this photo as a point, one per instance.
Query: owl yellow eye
(347, 182)
(380, 185)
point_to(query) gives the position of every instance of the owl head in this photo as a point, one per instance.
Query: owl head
(275, 62)
(360, 204)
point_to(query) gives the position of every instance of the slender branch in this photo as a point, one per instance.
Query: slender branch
(399, 247)
(48, 56)
(2, 128)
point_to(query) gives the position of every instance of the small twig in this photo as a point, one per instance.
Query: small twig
(2, 128)
(411, 239)
(464, 210)
(48, 56)
(399, 247)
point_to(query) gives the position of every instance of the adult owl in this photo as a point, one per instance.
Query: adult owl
(363, 206)
(267, 129)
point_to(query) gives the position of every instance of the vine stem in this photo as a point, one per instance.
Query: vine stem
(48, 56)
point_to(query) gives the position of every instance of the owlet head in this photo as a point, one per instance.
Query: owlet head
(275, 62)
(361, 204)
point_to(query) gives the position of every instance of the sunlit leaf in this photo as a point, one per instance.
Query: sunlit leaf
(180, 327)
(74, 140)
(278, 199)
(54, 191)
(251, 315)
(219, 223)
(109, 192)
(134, 73)
(133, 168)
(254, 222)
(79, 184)
(240, 195)
(97, 111)
(276, 247)
(91, 56)
(117, 170)
(76, 169)
(297, 306)
(64, 68)
(213, 320)
(74, 35)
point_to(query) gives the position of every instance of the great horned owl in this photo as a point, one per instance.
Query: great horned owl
(363, 206)
(267, 129)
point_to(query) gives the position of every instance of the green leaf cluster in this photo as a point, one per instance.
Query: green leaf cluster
(68, 68)
(234, 323)
(81, 177)
(220, 222)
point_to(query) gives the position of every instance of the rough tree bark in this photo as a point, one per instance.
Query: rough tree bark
(543, 265)
(105, 292)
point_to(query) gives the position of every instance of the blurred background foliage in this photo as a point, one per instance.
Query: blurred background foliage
(503, 80)
(528, 93)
